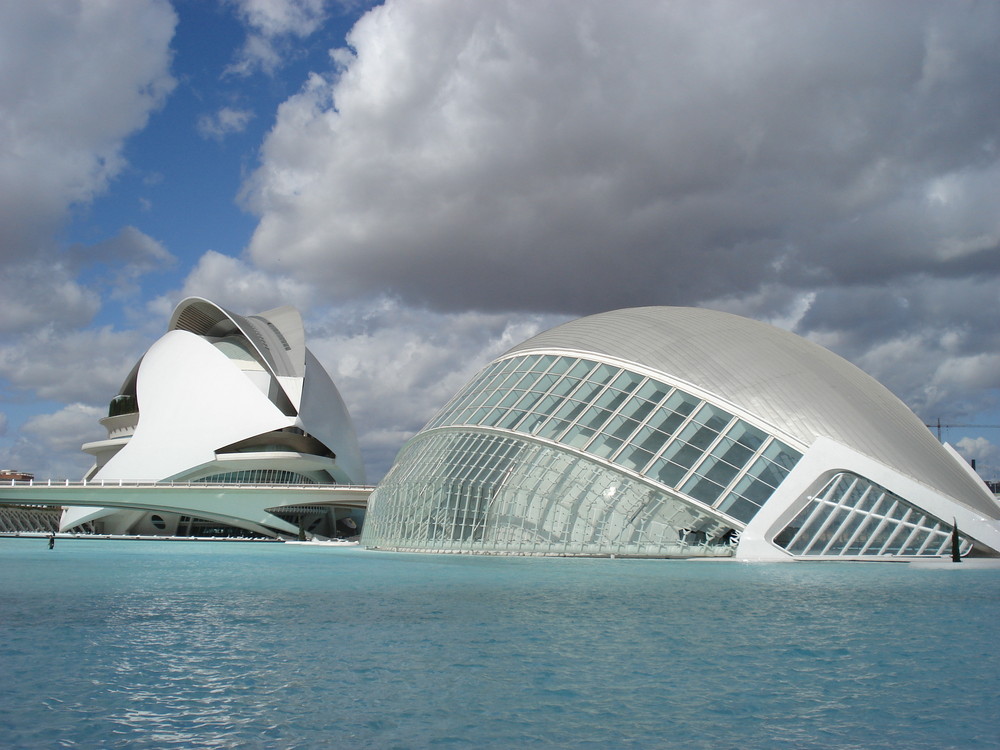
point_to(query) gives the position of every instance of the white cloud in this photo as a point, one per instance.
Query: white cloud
(76, 78)
(224, 122)
(396, 366)
(271, 23)
(277, 17)
(40, 293)
(238, 286)
(65, 364)
(579, 156)
(49, 445)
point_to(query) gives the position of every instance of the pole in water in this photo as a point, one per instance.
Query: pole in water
(956, 555)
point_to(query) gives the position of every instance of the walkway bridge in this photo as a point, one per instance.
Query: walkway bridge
(245, 505)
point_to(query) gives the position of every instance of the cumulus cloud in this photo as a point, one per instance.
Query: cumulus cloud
(224, 122)
(396, 365)
(271, 24)
(44, 294)
(574, 156)
(236, 285)
(49, 445)
(64, 111)
(68, 365)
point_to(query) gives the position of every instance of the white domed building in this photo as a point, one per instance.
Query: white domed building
(225, 399)
(679, 432)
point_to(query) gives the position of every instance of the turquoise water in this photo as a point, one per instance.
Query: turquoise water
(129, 644)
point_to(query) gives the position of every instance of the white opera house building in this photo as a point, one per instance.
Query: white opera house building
(679, 432)
(225, 399)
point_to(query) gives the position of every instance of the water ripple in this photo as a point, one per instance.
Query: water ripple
(154, 645)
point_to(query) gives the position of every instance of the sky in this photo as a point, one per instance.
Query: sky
(433, 181)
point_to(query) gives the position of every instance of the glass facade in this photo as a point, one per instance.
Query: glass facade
(854, 517)
(485, 492)
(672, 463)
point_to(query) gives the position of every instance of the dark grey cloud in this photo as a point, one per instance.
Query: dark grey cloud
(578, 156)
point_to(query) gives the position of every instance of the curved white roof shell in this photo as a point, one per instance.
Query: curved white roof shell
(222, 396)
(795, 387)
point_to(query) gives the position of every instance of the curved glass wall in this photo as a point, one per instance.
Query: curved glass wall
(610, 462)
(638, 423)
(464, 490)
(854, 517)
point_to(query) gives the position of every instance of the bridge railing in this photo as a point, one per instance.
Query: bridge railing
(114, 484)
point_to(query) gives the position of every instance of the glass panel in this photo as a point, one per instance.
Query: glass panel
(782, 455)
(637, 409)
(570, 410)
(697, 436)
(546, 405)
(681, 403)
(528, 363)
(666, 422)
(753, 489)
(634, 458)
(713, 417)
(914, 545)
(650, 439)
(627, 381)
(488, 420)
(578, 436)
(747, 435)
(529, 380)
(611, 399)
(594, 417)
(718, 471)
(739, 507)
(509, 381)
(768, 472)
(493, 399)
(532, 423)
(561, 364)
(603, 374)
(551, 429)
(732, 453)
(604, 446)
(702, 489)
(683, 453)
(509, 399)
(545, 362)
(653, 391)
(582, 368)
(545, 382)
(528, 400)
(510, 419)
(477, 416)
(667, 473)
(586, 392)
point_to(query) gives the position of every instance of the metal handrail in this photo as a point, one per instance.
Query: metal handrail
(112, 484)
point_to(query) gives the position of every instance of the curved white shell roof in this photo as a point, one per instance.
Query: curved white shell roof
(799, 388)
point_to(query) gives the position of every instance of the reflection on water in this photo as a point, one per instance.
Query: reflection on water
(159, 645)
